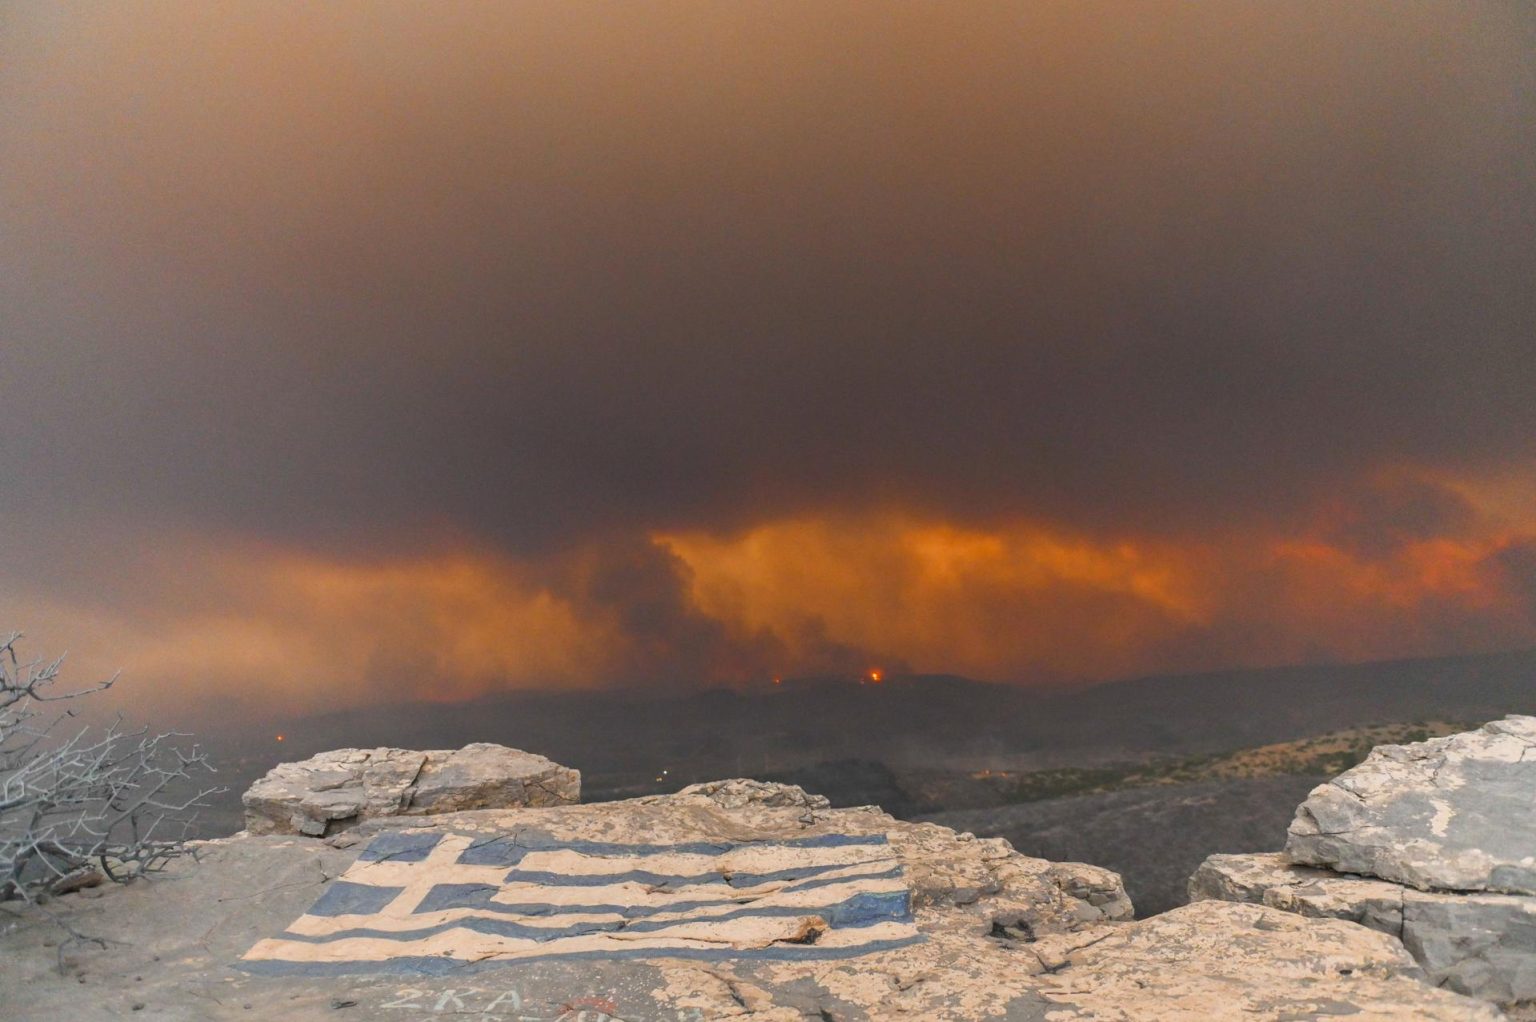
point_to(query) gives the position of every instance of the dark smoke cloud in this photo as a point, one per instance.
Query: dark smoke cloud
(1382, 517)
(1518, 561)
(643, 592)
(362, 280)
(547, 269)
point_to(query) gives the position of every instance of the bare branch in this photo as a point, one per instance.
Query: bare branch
(77, 807)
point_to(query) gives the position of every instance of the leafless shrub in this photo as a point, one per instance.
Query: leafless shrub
(77, 807)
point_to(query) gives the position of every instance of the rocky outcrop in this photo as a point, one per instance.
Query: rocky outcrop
(947, 928)
(741, 792)
(1433, 843)
(335, 791)
(1455, 813)
(1479, 944)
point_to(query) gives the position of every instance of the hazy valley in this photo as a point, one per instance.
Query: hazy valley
(1145, 777)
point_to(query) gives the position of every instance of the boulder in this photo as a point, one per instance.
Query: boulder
(1479, 944)
(1451, 814)
(990, 935)
(337, 790)
(1433, 843)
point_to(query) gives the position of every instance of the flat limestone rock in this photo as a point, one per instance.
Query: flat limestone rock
(1218, 961)
(986, 934)
(337, 790)
(1266, 878)
(1455, 813)
(1479, 944)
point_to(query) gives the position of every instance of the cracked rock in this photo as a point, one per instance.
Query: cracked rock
(334, 791)
(1478, 944)
(1451, 814)
(739, 792)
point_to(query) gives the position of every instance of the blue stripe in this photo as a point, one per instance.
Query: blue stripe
(398, 846)
(850, 914)
(436, 965)
(642, 876)
(344, 898)
(509, 851)
(478, 896)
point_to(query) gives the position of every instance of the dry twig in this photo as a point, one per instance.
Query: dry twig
(74, 803)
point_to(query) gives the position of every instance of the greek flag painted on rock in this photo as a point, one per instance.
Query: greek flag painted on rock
(417, 901)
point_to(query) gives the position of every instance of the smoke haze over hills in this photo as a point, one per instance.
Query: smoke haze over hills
(357, 353)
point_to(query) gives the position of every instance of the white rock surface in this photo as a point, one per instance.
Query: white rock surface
(1455, 813)
(337, 790)
(1206, 961)
(1479, 944)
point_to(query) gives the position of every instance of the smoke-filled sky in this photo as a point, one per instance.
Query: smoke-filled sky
(365, 350)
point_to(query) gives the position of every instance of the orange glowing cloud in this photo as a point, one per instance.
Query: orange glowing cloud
(940, 597)
(862, 595)
(302, 630)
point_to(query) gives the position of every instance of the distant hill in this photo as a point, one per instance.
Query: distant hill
(1230, 709)
(1318, 756)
